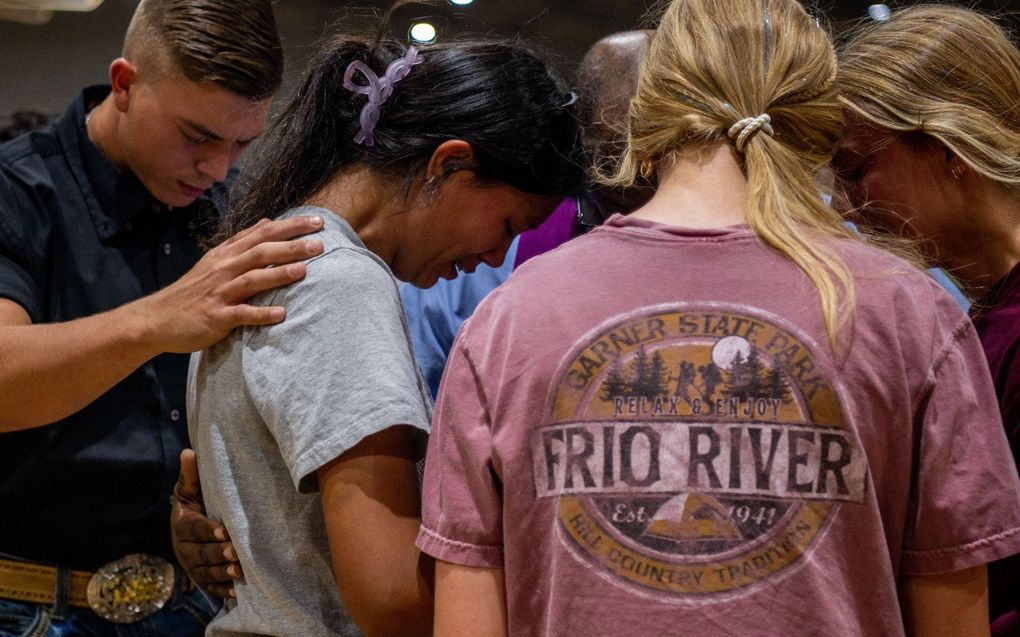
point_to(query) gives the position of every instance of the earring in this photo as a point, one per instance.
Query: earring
(647, 168)
(958, 171)
(431, 186)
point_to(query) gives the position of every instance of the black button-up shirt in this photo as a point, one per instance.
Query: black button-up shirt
(79, 237)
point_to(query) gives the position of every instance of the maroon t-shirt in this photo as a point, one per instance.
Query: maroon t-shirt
(997, 319)
(647, 429)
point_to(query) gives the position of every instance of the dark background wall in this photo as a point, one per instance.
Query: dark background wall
(43, 67)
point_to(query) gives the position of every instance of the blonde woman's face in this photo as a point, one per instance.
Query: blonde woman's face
(900, 183)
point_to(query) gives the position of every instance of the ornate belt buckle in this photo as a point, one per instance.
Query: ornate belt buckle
(131, 588)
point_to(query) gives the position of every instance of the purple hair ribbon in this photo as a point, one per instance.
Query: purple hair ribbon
(378, 90)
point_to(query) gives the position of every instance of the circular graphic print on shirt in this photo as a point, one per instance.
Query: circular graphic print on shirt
(696, 451)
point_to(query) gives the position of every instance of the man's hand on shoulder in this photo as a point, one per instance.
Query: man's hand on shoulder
(210, 300)
(52, 370)
(202, 545)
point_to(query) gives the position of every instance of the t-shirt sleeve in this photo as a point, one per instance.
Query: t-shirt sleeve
(965, 499)
(462, 512)
(16, 281)
(338, 369)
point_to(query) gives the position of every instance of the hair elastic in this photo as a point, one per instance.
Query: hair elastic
(745, 128)
(378, 90)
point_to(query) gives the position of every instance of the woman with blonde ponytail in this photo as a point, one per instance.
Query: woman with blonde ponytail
(932, 152)
(723, 414)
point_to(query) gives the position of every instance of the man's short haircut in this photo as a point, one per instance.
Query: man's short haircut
(232, 43)
(607, 79)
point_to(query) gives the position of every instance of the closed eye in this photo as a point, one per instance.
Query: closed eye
(194, 138)
(851, 169)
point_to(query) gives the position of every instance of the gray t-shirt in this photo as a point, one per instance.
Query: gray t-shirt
(268, 406)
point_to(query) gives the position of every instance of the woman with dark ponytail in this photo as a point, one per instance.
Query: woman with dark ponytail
(750, 422)
(422, 163)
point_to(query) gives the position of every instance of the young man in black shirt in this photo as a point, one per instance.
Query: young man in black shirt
(104, 289)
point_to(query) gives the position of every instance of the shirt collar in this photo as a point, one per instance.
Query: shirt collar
(1003, 289)
(114, 197)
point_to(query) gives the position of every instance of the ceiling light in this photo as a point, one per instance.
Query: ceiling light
(40, 11)
(51, 5)
(423, 32)
(879, 12)
(461, 2)
(26, 16)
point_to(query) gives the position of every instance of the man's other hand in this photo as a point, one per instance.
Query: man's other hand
(202, 545)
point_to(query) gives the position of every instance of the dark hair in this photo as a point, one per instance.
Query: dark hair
(497, 96)
(21, 122)
(231, 43)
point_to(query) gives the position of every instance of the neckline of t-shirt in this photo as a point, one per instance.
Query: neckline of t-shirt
(1005, 288)
(330, 220)
(657, 230)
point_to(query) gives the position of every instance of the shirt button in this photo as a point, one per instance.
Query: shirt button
(167, 249)
(155, 207)
(175, 415)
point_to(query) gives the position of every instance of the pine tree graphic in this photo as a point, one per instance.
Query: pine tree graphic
(738, 381)
(646, 377)
(649, 374)
(616, 382)
(755, 376)
(748, 377)
(640, 369)
(658, 379)
(776, 386)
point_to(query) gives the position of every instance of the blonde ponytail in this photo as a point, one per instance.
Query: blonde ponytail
(715, 63)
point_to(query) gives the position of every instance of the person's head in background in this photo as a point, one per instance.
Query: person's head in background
(607, 79)
(932, 148)
(192, 89)
(749, 85)
(20, 122)
(474, 146)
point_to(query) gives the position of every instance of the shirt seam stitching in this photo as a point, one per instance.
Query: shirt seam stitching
(962, 548)
(435, 536)
(940, 358)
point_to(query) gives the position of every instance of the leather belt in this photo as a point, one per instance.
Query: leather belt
(125, 591)
(37, 583)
